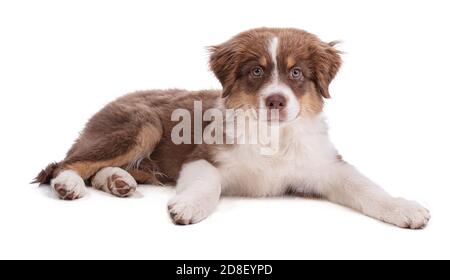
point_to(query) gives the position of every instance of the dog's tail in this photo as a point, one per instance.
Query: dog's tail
(46, 174)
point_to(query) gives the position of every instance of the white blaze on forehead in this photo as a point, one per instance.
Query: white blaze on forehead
(273, 48)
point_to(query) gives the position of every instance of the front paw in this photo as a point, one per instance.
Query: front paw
(186, 210)
(405, 214)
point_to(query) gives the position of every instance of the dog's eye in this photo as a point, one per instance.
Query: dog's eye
(257, 72)
(296, 73)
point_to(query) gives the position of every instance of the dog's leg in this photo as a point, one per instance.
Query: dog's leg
(114, 180)
(198, 193)
(81, 165)
(346, 186)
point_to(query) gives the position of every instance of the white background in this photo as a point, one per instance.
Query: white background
(61, 61)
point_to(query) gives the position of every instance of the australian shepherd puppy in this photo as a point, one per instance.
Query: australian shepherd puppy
(202, 141)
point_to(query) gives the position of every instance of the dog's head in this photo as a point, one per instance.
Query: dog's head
(288, 70)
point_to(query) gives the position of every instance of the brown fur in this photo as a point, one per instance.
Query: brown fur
(46, 174)
(311, 102)
(145, 141)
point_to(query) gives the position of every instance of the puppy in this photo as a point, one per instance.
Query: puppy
(281, 77)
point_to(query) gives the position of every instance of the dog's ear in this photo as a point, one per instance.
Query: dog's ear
(327, 61)
(223, 61)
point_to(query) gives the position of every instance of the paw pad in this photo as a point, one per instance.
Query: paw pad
(64, 192)
(119, 187)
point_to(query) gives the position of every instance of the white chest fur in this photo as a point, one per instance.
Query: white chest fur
(304, 152)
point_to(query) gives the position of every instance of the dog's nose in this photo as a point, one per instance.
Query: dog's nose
(276, 101)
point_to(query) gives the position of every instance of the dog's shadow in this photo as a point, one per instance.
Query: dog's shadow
(47, 191)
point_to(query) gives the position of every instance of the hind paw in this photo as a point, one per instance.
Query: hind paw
(115, 181)
(68, 185)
